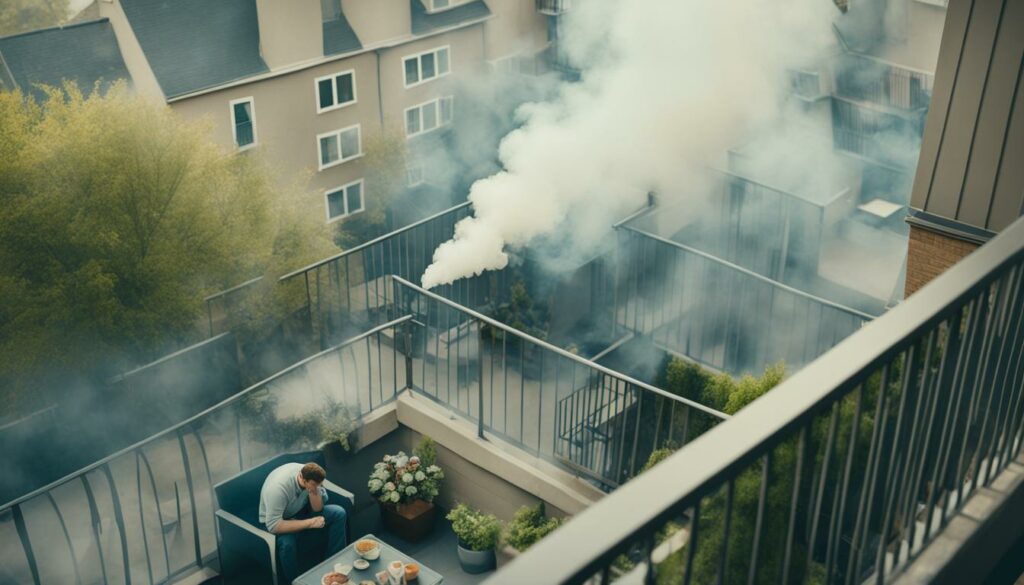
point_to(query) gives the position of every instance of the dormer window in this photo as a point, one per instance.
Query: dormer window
(439, 4)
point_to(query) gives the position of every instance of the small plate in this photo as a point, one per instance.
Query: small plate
(361, 564)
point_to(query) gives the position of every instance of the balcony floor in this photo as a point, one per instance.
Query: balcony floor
(437, 551)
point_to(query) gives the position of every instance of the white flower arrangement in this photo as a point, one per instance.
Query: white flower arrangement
(399, 479)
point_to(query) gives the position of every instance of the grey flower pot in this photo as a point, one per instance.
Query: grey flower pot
(474, 562)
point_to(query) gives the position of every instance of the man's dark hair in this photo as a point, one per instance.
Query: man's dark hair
(313, 472)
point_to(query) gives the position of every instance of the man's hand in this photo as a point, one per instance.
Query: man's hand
(315, 522)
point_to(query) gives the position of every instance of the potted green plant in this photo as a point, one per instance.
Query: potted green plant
(406, 487)
(528, 525)
(478, 537)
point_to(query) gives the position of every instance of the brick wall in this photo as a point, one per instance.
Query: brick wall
(929, 255)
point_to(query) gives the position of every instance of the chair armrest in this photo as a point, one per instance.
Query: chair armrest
(244, 547)
(262, 534)
(342, 494)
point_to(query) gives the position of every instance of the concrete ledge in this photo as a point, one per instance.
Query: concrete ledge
(375, 425)
(977, 537)
(530, 474)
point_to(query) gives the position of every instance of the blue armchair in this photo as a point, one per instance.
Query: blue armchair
(248, 553)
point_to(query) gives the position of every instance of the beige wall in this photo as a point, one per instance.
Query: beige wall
(378, 21)
(517, 27)
(291, 31)
(134, 59)
(466, 56)
(287, 122)
(920, 24)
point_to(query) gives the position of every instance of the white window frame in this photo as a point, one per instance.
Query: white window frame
(419, 66)
(341, 160)
(433, 5)
(252, 120)
(348, 213)
(333, 77)
(436, 104)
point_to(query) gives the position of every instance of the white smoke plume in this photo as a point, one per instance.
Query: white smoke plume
(668, 86)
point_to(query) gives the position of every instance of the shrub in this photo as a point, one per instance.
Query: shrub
(528, 526)
(426, 450)
(476, 531)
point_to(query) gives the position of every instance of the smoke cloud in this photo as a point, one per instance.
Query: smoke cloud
(667, 87)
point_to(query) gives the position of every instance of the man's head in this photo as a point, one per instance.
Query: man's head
(311, 476)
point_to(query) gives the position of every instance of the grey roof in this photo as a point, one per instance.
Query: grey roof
(970, 170)
(195, 44)
(84, 53)
(423, 23)
(339, 37)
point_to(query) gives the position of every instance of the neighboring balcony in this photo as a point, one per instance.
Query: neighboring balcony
(554, 7)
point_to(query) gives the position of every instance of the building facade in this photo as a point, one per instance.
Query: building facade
(309, 83)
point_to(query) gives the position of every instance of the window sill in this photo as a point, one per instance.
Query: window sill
(426, 81)
(340, 162)
(336, 107)
(346, 216)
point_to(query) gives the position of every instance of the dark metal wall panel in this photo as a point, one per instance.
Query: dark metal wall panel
(950, 51)
(994, 118)
(1008, 201)
(971, 168)
(958, 140)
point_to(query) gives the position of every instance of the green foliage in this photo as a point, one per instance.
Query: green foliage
(656, 457)
(18, 16)
(118, 217)
(520, 313)
(333, 423)
(476, 531)
(529, 525)
(426, 450)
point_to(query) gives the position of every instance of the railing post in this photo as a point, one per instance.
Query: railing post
(480, 381)
(408, 355)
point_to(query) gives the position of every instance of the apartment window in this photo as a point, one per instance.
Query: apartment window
(439, 4)
(335, 91)
(426, 66)
(429, 116)
(414, 174)
(339, 146)
(243, 123)
(344, 201)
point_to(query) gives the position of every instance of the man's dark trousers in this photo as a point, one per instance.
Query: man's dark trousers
(287, 544)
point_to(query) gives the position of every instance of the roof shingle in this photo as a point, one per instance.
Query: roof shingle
(84, 53)
(196, 44)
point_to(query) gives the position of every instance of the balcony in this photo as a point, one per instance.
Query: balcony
(554, 7)
(893, 457)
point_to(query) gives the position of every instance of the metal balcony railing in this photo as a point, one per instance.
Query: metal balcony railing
(146, 513)
(867, 78)
(553, 7)
(844, 472)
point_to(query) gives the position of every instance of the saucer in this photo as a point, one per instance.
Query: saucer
(361, 564)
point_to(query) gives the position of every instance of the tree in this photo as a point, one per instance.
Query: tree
(17, 16)
(117, 218)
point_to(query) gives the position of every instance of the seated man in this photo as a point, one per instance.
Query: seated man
(292, 501)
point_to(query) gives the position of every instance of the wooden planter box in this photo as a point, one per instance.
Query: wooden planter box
(410, 522)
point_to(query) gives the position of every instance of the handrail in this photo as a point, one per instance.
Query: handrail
(170, 356)
(642, 505)
(554, 348)
(376, 240)
(775, 283)
(226, 402)
(237, 287)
